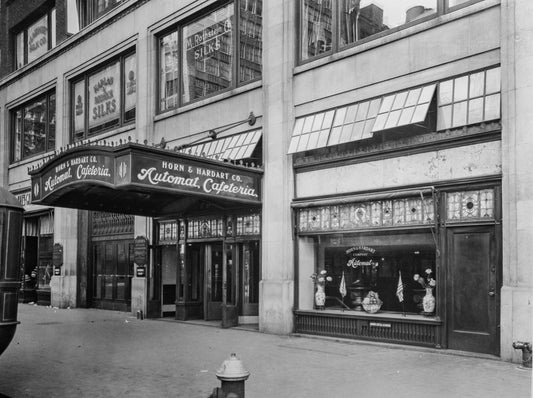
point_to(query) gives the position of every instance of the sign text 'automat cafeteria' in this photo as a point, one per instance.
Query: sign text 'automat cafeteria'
(197, 177)
(87, 167)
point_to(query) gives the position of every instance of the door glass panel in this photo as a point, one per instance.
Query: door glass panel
(216, 270)
(230, 299)
(168, 274)
(121, 287)
(108, 287)
(250, 272)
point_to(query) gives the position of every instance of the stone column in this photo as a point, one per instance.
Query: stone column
(64, 287)
(277, 284)
(517, 185)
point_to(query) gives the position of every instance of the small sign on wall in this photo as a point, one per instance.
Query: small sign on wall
(141, 272)
(57, 271)
(57, 255)
(140, 256)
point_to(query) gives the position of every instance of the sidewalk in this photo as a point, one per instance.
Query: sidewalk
(97, 353)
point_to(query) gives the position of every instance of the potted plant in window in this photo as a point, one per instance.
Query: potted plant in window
(320, 279)
(428, 283)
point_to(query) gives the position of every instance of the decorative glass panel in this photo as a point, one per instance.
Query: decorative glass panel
(208, 54)
(205, 228)
(383, 213)
(35, 122)
(248, 225)
(470, 205)
(168, 231)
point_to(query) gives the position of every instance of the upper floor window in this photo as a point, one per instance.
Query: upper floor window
(34, 127)
(104, 98)
(327, 26)
(81, 13)
(218, 51)
(35, 39)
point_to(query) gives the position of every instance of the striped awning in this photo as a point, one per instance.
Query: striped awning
(360, 120)
(233, 147)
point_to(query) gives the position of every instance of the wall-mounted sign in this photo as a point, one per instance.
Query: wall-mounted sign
(140, 272)
(380, 325)
(57, 255)
(140, 255)
(24, 197)
(360, 256)
(38, 38)
(57, 271)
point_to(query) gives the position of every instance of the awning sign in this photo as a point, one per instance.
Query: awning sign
(195, 177)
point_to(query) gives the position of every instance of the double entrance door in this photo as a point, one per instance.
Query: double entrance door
(202, 280)
(112, 270)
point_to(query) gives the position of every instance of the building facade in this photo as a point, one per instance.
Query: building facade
(356, 169)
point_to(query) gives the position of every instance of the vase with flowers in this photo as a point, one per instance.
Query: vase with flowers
(427, 282)
(320, 279)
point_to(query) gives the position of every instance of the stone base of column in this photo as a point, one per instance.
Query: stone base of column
(516, 314)
(63, 291)
(139, 294)
(276, 300)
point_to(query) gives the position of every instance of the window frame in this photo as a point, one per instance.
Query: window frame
(47, 97)
(51, 16)
(121, 120)
(442, 7)
(235, 64)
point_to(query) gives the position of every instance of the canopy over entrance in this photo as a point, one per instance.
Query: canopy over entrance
(138, 179)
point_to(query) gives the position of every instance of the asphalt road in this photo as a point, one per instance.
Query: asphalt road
(97, 353)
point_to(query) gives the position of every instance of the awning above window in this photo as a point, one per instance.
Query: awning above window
(233, 147)
(360, 120)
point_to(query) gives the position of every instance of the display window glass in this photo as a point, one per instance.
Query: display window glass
(391, 270)
(34, 127)
(216, 52)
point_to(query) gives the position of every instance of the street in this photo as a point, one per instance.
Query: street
(97, 353)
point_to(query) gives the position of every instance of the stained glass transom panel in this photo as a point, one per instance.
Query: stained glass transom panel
(248, 225)
(205, 228)
(374, 214)
(470, 205)
(168, 231)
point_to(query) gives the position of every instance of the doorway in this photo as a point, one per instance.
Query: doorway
(112, 270)
(474, 290)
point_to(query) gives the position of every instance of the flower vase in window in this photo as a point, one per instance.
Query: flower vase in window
(320, 280)
(428, 283)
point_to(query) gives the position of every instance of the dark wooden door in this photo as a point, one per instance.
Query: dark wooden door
(112, 273)
(473, 293)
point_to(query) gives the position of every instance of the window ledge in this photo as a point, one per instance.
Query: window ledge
(400, 34)
(208, 101)
(378, 317)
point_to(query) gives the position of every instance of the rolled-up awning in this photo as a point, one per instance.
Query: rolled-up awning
(138, 179)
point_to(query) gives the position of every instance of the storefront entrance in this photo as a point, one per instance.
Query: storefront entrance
(474, 296)
(111, 274)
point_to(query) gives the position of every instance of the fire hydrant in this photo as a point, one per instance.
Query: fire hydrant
(526, 352)
(232, 374)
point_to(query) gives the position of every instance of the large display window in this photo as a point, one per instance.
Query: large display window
(377, 269)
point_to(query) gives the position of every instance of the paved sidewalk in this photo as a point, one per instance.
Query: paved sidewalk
(96, 353)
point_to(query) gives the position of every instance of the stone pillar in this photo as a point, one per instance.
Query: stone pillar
(517, 185)
(64, 287)
(140, 285)
(277, 284)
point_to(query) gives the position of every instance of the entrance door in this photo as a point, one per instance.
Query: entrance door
(213, 281)
(112, 264)
(249, 276)
(169, 268)
(474, 290)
